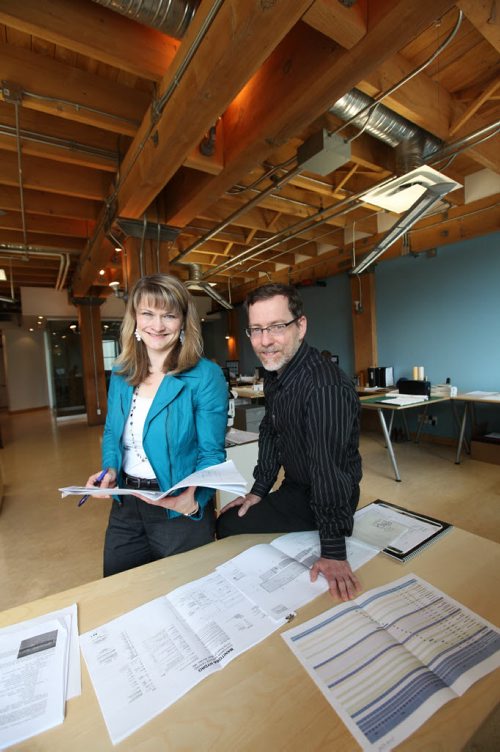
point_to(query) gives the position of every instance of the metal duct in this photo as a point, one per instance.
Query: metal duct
(413, 144)
(172, 17)
(196, 282)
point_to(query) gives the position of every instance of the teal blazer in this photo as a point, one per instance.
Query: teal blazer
(184, 429)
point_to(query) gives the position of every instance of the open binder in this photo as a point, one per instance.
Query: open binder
(422, 530)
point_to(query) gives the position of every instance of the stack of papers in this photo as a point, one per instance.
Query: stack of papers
(223, 477)
(39, 671)
(164, 648)
(404, 399)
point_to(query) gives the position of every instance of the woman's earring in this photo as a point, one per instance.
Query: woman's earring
(137, 335)
(182, 337)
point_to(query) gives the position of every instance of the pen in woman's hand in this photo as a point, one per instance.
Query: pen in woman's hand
(97, 482)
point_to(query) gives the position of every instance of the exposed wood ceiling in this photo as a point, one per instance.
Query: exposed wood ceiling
(111, 114)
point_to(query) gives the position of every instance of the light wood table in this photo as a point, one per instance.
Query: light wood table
(378, 404)
(469, 400)
(264, 700)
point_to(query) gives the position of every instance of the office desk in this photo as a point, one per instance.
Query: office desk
(469, 400)
(376, 403)
(264, 699)
(248, 392)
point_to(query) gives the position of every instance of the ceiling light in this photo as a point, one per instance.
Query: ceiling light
(102, 272)
(40, 317)
(431, 195)
(401, 193)
(31, 329)
(72, 326)
(115, 285)
(3, 276)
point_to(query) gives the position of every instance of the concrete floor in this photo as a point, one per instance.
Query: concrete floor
(48, 544)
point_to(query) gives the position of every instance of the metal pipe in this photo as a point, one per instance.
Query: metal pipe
(8, 130)
(324, 214)
(172, 17)
(20, 172)
(246, 207)
(17, 249)
(388, 125)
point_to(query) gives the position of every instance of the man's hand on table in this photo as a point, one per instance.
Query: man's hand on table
(243, 502)
(342, 582)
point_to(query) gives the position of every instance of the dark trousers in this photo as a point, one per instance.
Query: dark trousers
(139, 533)
(287, 510)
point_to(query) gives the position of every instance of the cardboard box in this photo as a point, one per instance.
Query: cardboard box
(485, 451)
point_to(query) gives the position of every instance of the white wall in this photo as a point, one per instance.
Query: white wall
(25, 369)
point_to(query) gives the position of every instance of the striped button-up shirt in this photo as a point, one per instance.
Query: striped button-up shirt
(311, 429)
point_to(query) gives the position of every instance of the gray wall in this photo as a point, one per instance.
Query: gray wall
(25, 369)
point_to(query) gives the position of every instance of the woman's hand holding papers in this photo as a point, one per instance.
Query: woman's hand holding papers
(342, 582)
(109, 480)
(184, 503)
(243, 502)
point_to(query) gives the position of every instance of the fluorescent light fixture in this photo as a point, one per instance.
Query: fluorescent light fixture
(400, 194)
(3, 276)
(431, 195)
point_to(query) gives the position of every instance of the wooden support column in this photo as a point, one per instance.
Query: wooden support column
(364, 323)
(151, 261)
(94, 381)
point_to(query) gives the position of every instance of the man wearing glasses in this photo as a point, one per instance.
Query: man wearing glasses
(311, 429)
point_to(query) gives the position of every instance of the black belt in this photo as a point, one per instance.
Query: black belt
(132, 482)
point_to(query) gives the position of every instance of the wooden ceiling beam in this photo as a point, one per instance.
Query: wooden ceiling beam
(224, 62)
(57, 154)
(90, 98)
(79, 134)
(94, 31)
(48, 204)
(258, 218)
(75, 228)
(239, 39)
(45, 175)
(345, 25)
(421, 100)
(298, 82)
(483, 14)
(46, 241)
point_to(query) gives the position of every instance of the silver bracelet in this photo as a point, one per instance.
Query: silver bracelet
(193, 513)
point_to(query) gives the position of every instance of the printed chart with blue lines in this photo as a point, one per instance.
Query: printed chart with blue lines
(388, 660)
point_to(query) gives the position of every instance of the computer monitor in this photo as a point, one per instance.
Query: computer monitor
(233, 367)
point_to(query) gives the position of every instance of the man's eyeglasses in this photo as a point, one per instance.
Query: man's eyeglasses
(274, 330)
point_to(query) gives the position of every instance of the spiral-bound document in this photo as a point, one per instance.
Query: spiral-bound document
(421, 530)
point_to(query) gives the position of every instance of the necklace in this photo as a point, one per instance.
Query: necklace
(142, 456)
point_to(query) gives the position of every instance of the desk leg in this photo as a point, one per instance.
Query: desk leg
(461, 436)
(421, 424)
(388, 443)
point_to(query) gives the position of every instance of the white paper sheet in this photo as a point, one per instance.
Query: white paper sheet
(145, 660)
(73, 680)
(276, 575)
(372, 525)
(389, 659)
(417, 530)
(33, 664)
(223, 477)
(404, 399)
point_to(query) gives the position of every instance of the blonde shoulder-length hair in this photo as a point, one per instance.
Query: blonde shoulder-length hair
(168, 293)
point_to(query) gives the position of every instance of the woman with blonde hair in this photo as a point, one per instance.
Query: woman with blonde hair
(167, 414)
